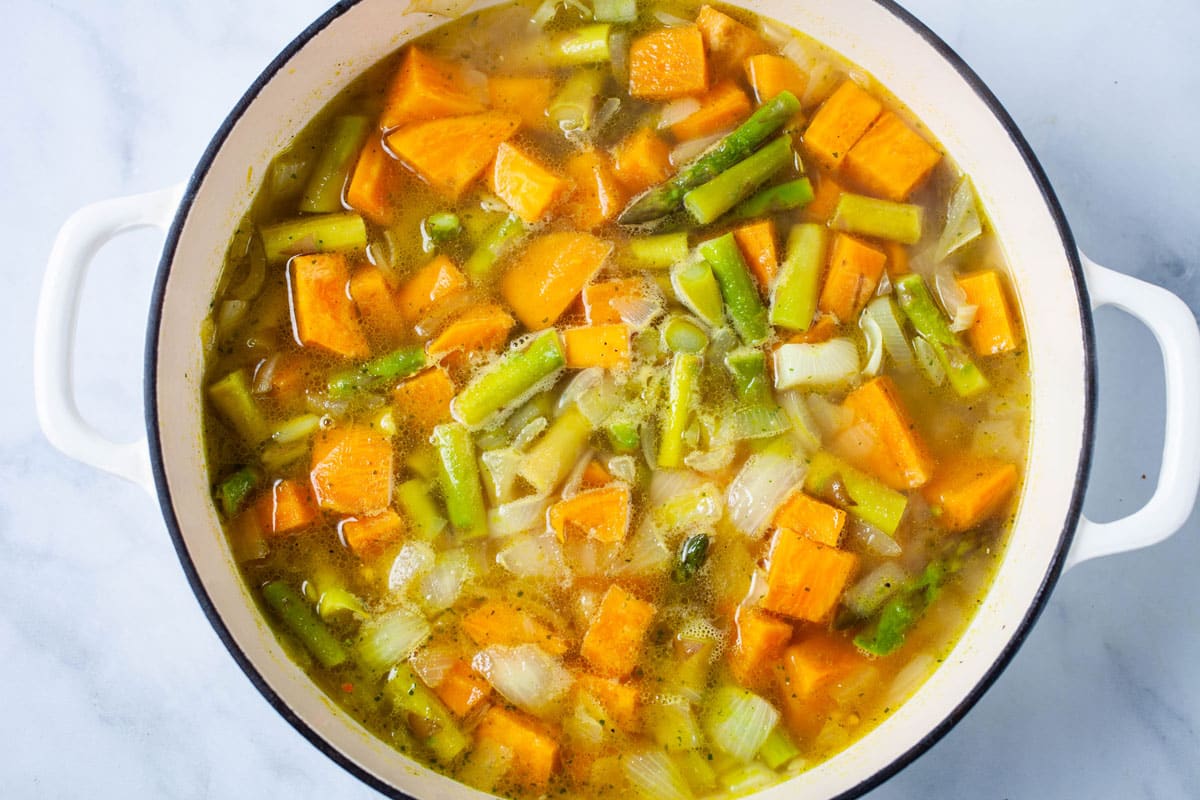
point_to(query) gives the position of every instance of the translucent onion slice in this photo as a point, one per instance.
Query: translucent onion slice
(527, 676)
(825, 364)
(390, 638)
(526, 514)
(963, 224)
(531, 555)
(739, 721)
(655, 777)
(759, 488)
(883, 311)
(928, 362)
(677, 111)
(862, 536)
(874, 336)
(413, 561)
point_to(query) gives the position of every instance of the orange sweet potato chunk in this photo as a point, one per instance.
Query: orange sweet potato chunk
(642, 160)
(855, 268)
(805, 578)
(598, 299)
(668, 63)
(534, 748)
(898, 455)
(368, 536)
(602, 514)
(499, 622)
(818, 521)
(462, 689)
(995, 328)
(351, 469)
(605, 346)
(377, 306)
(423, 401)
(891, 159)
(597, 196)
(620, 700)
(524, 183)
(526, 96)
(550, 273)
(375, 182)
(729, 42)
(436, 281)
(759, 640)
(287, 507)
(771, 74)
(968, 490)
(721, 108)
(839, 123)
(613, 642)
(427, 87)
(450, 154)
(756, 240)
(324, 314)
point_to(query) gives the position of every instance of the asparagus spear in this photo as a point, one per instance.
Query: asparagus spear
(735, 147)
(794, 296)
(298, 618)
(509, 380)
(710, 200)
(377, 372)
(745, 307)
(458, 473)
(685, 374)
(479, 264)
(918, 305)
(324, 191)
(781, 197)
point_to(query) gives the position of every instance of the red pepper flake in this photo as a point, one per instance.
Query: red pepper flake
(347, 687)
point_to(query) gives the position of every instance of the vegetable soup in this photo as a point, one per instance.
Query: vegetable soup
(606, 397)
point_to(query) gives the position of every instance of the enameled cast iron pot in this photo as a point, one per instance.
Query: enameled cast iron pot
(1055, 285)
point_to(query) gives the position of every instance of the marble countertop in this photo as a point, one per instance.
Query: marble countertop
(116, 686)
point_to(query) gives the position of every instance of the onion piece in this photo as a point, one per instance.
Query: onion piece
(639, 310)
(501, 466)
(434, 661)
(604, 115)
(714, 459)
(623, 468)
(645, 554)
(864, 536)
(654, 776)
(866, 596)
(441, 587)
(874, 336)
(669, 19)
(964, 318)
(534, 556)
(667, 484)
(414, 560)
(229, 315)
(526, 514)
(759, 489)
(831, 418)
(525, 675)
(529, 432)
(825, 364)
(574, 480)
(584, 381)
(883, 311)
(390, 638)
(264, 374)
(804, 427)
(963, 224)
(686, 151)
(928, 361)
(949, 292)
(677, 111)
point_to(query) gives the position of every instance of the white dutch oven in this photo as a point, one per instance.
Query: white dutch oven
(1056, 287)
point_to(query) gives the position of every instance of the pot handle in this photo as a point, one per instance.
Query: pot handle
(78, 241)
(1174, 326)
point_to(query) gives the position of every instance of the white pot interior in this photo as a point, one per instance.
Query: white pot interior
(868, 34)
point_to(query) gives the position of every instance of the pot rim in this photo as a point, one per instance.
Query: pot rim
(918, 748)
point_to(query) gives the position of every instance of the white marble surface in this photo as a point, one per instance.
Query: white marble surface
(114, 684)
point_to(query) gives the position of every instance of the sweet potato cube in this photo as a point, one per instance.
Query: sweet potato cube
(595, 476)
(891, 159)
(287, 507)
(805, 578)
(855, 268)
(668, 63)
(897, 259)
(597, 196)
(526, 96)
(818, 521)
(422, 402)
(451, 153)
(613, 642)
(811, 667)
(499, 622)
(967, 490)
(528, 187)
(368, 536)
(479, 329)
(642, 160)
(605, 346)
(620, 700)
(427, 87)
(771, 74)
(728, 41)
(534, 748)
(721, 108)
(598, 299)
(352, 469)
(756, 240)
(377, 306)
(759, 639)
(898, 455)
(374, 183)
(462, 689)
(839, 123)
(550, 273)
(324, 314)
(436, 281)
(602, 514)
(826, 194)
(995, 329)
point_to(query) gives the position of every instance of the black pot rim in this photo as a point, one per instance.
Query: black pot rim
(1016, 639)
